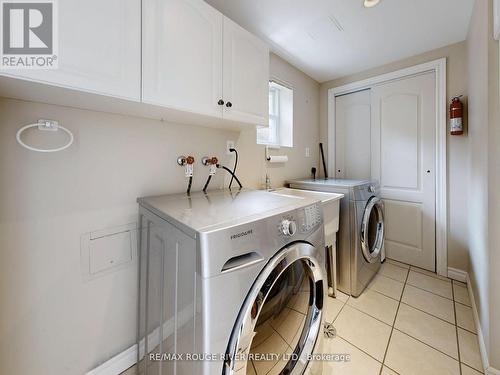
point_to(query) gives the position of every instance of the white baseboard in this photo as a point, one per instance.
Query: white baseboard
(488, 370)
(118, 364)
(492, 371)
(457, 274)
(126, 359)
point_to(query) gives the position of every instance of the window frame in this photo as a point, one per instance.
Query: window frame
(275, 114)
(275, 92)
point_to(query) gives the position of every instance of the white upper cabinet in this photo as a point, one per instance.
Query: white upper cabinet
(183, 61)
(246, 76)
(182, 55)
(99, 48)
(197, 60)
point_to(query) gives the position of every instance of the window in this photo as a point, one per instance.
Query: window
(280, 130)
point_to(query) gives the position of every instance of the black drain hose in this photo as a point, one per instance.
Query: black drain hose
(232, 174)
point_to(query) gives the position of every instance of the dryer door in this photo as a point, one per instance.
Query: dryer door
(280, 320)
(372, 230)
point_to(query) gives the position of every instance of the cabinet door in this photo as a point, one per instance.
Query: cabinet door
(99, 48)
(182, 55)
(246, 76)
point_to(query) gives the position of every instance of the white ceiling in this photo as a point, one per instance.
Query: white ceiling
(328, 39)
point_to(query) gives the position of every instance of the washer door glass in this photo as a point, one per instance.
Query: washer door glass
(372, 230)
(281, 319)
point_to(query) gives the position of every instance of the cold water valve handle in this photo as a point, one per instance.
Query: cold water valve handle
(213, 165)
(187, 162)
(189, 166)
(181, 160)
(211, 162)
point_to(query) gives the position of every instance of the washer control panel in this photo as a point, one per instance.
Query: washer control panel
(310, 217)
(301, 221)
(288, 227)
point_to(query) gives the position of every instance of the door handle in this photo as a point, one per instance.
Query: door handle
(242, 261)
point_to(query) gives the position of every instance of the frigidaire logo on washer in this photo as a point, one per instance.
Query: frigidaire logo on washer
(29, 34)
(241, 234)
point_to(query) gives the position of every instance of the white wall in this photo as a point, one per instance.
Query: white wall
(494, 199)
(52, 321)
(484, 180)
(494, 194)
(253, 166)
(458, 146)
(477, 56)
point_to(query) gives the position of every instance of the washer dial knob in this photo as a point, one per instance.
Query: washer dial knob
(288, 227)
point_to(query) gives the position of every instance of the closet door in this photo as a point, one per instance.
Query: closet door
(182, 55)
(403, 160)
(352, 136)
(246, 76)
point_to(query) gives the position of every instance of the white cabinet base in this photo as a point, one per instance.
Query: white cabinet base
(38, 92)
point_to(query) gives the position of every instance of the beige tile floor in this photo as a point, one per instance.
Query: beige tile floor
(408, 321)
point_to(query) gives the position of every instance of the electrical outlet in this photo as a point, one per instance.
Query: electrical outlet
(229, 145)
(308, 152)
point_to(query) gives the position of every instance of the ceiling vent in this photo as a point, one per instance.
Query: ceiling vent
(323, 28)
(335, 22)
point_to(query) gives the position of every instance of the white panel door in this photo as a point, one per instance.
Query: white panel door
(352, 135)
(403, 160)
(246, 76)
(99, 48)
(182, 55)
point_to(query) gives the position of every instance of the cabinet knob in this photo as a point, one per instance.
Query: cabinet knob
(220, 102)
(229, 104)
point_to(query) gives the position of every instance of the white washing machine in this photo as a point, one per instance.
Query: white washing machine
(228, 279)
(360, 244)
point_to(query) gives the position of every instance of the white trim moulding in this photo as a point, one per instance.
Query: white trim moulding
(439, 68)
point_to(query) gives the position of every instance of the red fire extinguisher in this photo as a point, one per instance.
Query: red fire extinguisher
(456, 115)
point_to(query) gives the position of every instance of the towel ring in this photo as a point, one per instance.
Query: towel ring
(46, 125)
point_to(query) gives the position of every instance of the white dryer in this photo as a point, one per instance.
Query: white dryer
(228, 279)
